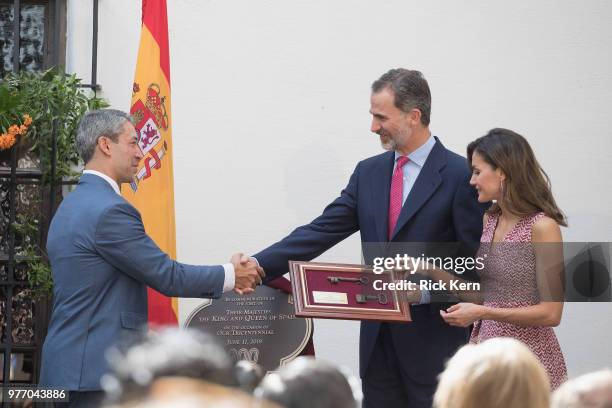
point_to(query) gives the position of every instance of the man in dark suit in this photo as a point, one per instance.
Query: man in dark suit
(418, 191)
(103, 260)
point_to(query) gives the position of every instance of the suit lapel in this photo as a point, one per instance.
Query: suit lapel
(426, 184)
(380, 183)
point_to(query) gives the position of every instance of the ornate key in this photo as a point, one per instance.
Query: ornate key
(381, 298)
(337, 279)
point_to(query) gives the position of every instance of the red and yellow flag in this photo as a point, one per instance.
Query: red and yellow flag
(152, 191)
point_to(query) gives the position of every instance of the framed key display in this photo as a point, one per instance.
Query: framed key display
(349, 292)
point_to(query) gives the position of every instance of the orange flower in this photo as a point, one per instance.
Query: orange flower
(27, 119)
(7, 140)
(13, 130)
(23, 129)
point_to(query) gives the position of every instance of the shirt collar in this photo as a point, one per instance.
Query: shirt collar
(109, 180)
(420, 155)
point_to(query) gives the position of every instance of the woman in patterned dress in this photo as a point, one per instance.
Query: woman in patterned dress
(522, 290)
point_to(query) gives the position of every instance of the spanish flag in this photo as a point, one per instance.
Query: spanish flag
(152, 190)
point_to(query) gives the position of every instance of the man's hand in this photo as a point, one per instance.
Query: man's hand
(248, 274)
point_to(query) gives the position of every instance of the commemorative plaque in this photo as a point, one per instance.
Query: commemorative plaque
(351, 292)
(260, 327)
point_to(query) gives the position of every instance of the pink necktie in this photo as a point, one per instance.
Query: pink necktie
(396, 195)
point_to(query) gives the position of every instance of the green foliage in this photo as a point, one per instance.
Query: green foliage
(49, 97)
(54, 100)
(38, 271)
(10, 102)
(26, 227)
(39, 276)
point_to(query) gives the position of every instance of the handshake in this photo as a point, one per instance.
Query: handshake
(248, 274)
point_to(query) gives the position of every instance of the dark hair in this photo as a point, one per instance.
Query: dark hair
(307, 383)
(171, 352)
(527, 187)
(410, 89)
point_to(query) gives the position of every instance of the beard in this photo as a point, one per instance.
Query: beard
(387, 141)
(396, 141)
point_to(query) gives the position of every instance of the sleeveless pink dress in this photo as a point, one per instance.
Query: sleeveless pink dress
(509, 280)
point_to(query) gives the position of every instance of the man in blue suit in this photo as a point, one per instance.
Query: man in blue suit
(418, 191)
(103, 260)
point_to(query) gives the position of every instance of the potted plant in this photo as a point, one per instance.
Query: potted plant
(53, 100)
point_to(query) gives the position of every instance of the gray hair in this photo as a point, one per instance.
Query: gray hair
(308, 383)
(97, 123)
(410, 89)
(593, 390)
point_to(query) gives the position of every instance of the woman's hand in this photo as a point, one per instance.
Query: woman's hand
(462, 314)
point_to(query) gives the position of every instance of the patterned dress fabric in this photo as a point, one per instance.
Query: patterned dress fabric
(509, 281)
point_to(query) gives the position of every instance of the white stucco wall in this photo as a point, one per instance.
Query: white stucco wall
(270, 105)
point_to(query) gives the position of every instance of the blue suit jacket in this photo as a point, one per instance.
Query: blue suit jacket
(441, 207)
(102, 261)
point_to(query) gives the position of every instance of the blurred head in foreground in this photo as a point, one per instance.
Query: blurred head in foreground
(593, 390)
(248, 375)
(497, 373)
(170, 353)
(307, 383)
(183, 392)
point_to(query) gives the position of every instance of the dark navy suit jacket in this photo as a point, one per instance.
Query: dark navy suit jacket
(102, 262)
(441, 207)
